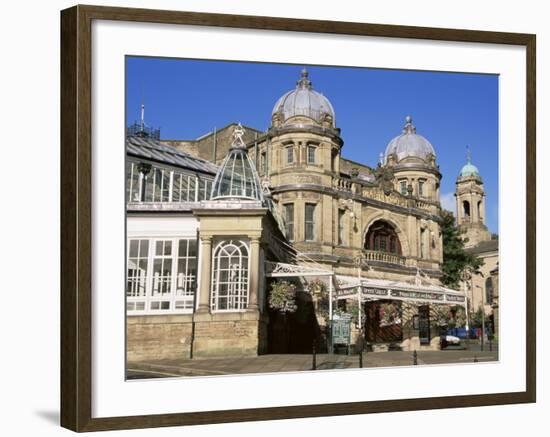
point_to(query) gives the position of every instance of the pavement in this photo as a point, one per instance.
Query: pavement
(274, 363)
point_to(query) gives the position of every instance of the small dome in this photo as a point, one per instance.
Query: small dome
(409, 144)
(304, 101)
(237, 177)
(469, 169)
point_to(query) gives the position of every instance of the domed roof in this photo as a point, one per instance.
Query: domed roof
(304, 101)
(469, 169)
(237, 177)
(409, 143)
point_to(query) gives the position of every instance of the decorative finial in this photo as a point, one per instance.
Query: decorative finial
(409, 127)
(468, 155)
(304, 81)
(238, 133)
(381, 158)
(142, 116)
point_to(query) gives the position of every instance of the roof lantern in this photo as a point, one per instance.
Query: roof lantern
(237, 177)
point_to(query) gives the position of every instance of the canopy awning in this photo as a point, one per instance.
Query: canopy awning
(373, 289)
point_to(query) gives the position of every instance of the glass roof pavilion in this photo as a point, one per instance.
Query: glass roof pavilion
(237, 177)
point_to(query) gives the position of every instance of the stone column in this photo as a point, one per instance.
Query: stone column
(254, 273)
(473, 209)
(206, 274)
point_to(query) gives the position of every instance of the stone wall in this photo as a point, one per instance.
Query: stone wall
(227, 338)
(155, 337)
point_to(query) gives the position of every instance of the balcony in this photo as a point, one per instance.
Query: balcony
(384, 257)
(342, 184)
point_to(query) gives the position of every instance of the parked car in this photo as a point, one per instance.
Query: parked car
(449, 340)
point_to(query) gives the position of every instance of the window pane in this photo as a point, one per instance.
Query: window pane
(158, 247)
(311, 154)
(136, 274)
(230, 276)
(134, 244)
(184, 188)
(168, 248)
(289, 220)
(192, 247)
(144, 248)
(309, 221)
(192, 184)
(187, 270)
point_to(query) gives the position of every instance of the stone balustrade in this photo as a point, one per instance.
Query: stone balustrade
(386, 257)
(342, 184)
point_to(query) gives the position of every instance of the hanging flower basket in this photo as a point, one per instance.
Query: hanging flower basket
(282, 297)
(389, 314)
(317, 287)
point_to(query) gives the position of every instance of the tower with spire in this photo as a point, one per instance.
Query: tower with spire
(470, 204)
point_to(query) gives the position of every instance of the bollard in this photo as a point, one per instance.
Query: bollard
(314, 358)
(360, 359)
(475, 359)
(415, 358)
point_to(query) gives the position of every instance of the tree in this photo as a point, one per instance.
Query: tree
(456, 260)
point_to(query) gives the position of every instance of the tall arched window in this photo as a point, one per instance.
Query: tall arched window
(466, 208)
(382, 237)
(488, 291)
(230, 276)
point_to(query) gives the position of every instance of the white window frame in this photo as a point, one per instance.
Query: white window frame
(172, 297)
(215, 281)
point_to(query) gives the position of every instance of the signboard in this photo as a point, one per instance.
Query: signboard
(341, 331)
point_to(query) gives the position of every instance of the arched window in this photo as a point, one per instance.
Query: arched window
(382, 237)
(479, 215)
(488, 291)
(230, 276)
(466, 208)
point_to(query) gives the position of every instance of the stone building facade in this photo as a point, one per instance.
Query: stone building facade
(206, 216)
(481, 287)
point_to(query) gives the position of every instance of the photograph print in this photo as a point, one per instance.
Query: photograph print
(289, 218)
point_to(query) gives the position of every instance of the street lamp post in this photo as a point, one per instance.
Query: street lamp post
(465, 276)
(358, 262)
(482, 317)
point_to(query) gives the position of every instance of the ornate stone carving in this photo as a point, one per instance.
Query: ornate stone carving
(384, 179)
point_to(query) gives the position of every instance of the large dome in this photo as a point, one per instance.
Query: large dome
(304, 101)
(409, 144)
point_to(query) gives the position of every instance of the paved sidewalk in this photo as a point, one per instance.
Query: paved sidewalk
(293, 363)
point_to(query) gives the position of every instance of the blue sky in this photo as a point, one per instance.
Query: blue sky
(187, 98)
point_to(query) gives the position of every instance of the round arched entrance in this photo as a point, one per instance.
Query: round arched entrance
(383, 317)
(382, 237)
